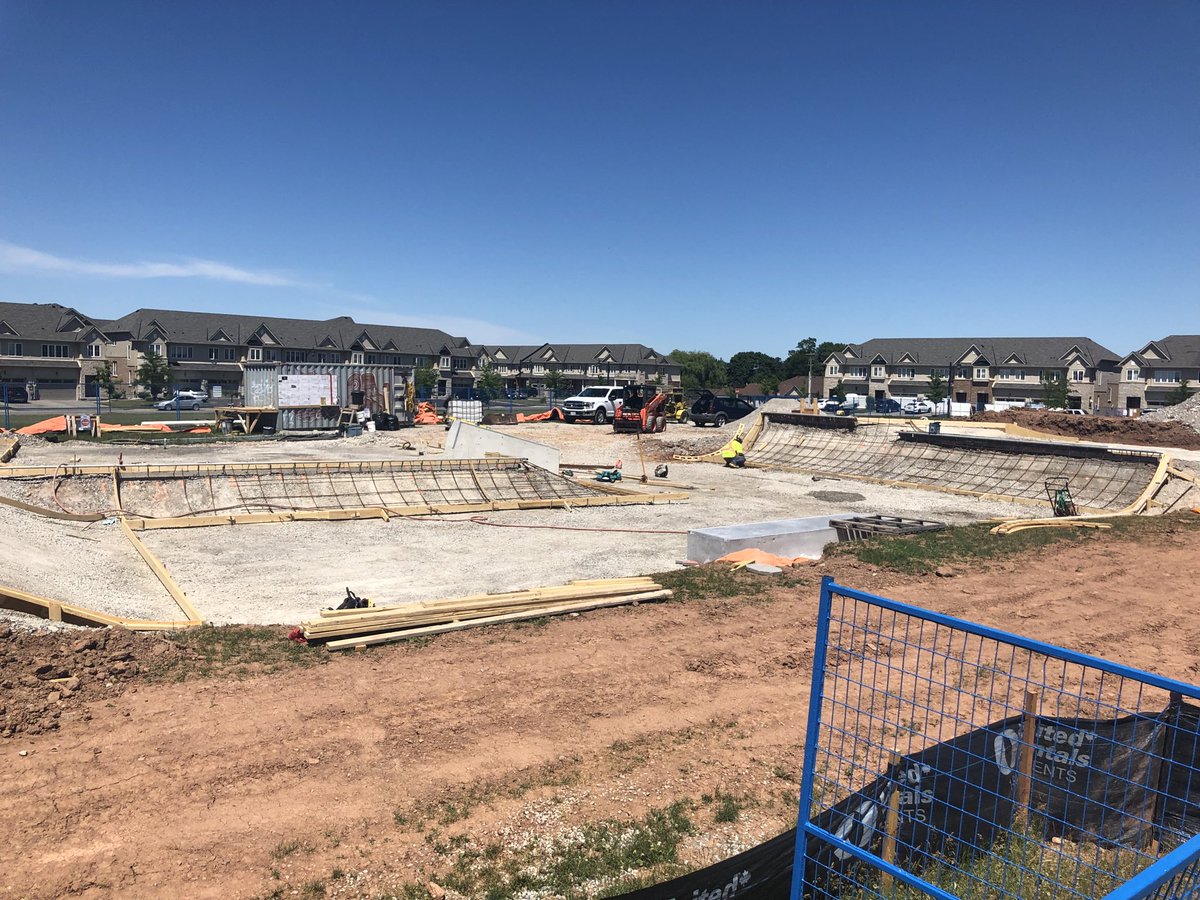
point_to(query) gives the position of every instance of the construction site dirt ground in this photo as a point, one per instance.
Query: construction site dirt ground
(372, 774)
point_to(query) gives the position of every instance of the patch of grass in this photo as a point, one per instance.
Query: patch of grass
(919, 554)
(713, 580)
(234, 650)
(284, 849)
(728, 810)
(314, 888)
(597, 860)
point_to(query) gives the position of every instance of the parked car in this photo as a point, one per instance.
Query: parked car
(830, 405)
(595, 403)
(919, 407)
(887, 405)
(183, 400)
(1035, 405)
(709, 409)
(16, 393)
(1069, 412)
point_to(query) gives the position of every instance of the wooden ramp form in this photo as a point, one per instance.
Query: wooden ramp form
(360, 628)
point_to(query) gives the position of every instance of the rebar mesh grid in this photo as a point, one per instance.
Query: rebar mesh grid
(874, 452)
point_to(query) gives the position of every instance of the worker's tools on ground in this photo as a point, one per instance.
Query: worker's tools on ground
(353, 601)
(344, 629)
(608, 475)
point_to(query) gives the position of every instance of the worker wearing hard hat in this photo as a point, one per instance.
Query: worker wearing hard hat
(733, 455)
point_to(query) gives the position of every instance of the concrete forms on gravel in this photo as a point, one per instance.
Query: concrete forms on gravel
(1101, 480)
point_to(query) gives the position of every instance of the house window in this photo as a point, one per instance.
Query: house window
(372, 359)
(877, 371)
(212, 354)
(1133, 374)
(13, 349)
(1012, 374)
(157, 349)
(254, 354)
(95, 350)
(908, 373)
(272, 355)
(539, 369)
(324, 358)
(981, 373)
(444, 362)
(419, 362)
(228, 354)
(356, 357)
(1077, 375)
(833, 369)
(964, 372)
(1163, 376)
(178, 352)
(293, 356)
(56, 351)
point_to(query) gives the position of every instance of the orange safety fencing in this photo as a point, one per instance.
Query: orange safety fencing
(426, 414)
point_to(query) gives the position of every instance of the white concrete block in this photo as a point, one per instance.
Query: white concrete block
(467, 441)
(784, 537)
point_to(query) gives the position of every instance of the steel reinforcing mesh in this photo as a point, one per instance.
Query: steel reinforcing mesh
(924, 736)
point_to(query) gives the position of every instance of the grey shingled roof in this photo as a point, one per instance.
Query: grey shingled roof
(583, 354)
(202, 327)
(1045, 352)
(34, 321)
(1183, 351)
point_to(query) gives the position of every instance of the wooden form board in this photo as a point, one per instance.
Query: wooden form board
(57, 611)
(542, 612)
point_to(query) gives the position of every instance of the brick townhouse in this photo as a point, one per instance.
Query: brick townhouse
(1150, 375)
(978, 371)
(58, 349)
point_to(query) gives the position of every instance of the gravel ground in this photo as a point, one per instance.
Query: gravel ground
(91, 565)
(242, 574)
(286, 572)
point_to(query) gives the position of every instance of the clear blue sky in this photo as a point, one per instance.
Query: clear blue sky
(719, 176)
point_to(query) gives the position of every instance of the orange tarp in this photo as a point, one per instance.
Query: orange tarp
(552, 413)
(58, 423)
(762, 556)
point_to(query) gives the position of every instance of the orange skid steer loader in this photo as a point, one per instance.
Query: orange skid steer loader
(642, 409)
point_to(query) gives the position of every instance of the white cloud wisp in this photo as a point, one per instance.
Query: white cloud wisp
(17, 259)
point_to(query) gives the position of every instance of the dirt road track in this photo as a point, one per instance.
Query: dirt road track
(190, 789)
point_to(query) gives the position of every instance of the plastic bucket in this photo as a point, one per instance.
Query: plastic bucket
(370, 426)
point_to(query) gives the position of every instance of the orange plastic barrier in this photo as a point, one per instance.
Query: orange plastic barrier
(58, 423)
(426, 414)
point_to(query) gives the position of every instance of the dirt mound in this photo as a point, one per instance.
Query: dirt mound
(50, 677)
(1106, 429)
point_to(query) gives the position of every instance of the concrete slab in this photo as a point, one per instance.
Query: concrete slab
(467, 441)
(784, 537)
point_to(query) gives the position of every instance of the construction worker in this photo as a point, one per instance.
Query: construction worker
(733, 455)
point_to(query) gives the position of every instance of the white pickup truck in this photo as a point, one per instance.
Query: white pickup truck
(595, 403)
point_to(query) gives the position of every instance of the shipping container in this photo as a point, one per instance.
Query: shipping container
(310, 396)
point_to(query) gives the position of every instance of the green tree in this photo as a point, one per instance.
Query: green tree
(700, 369)
(425, 380)
(1055, 389)
(838, 392)
(553, 381)
(751, 366)
(769, 383)
(1179, 394)
(937, 390)
(106, 380)
(489, 383)
(154, 373)
(809, 357)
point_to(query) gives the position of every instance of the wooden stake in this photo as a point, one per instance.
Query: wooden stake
(1025, 767)
(892, 825)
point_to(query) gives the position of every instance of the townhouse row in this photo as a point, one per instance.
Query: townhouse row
(983, 371)
(58, 351)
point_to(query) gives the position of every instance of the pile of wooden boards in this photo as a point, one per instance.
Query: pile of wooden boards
(346, 629)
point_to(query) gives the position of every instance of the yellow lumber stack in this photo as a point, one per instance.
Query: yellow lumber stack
(346, 629)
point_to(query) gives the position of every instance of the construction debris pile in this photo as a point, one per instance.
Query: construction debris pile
(1186, 413)
(347, 629)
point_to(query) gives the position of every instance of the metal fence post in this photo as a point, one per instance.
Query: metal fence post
(815, 699)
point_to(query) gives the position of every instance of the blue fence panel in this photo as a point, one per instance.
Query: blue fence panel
(948, 759)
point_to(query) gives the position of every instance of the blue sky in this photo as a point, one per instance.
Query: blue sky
(718, 176)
